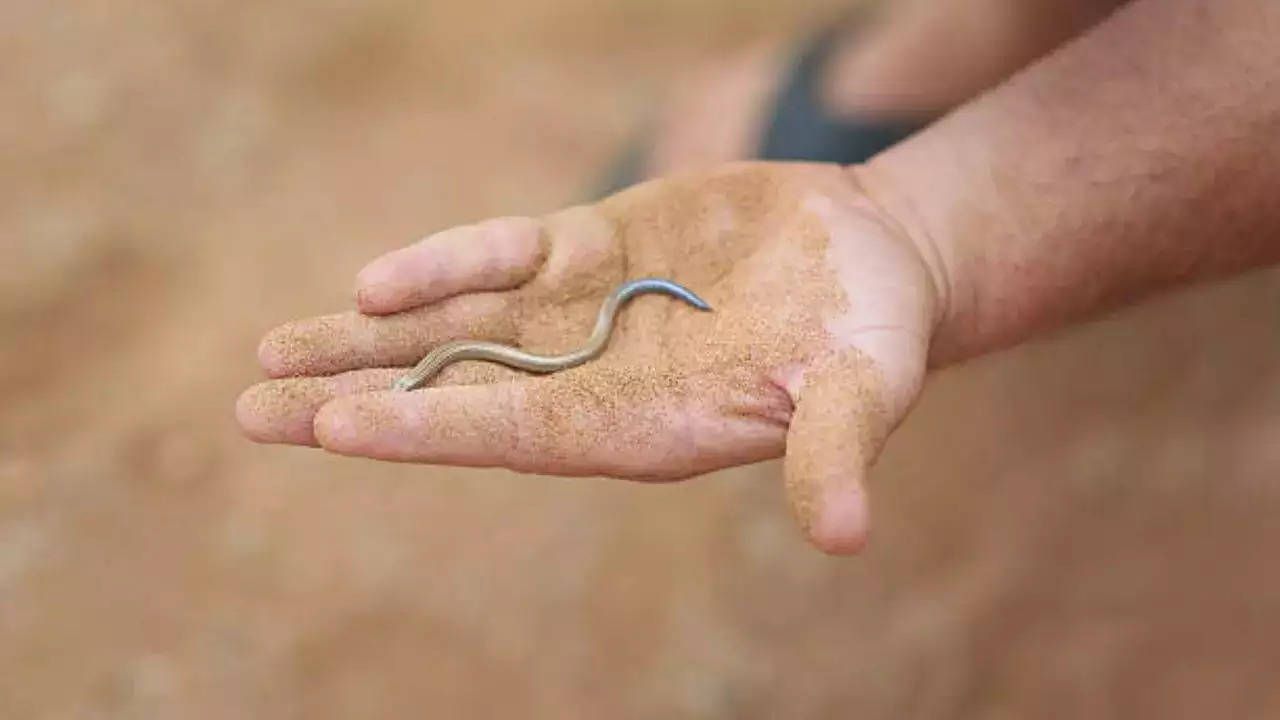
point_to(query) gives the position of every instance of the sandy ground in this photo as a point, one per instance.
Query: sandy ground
(1085, 527)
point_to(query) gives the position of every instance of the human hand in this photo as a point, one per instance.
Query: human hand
(817, 346)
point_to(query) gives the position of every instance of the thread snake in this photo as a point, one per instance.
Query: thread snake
(456, 351)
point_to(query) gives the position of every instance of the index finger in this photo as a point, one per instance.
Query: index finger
(495, 255)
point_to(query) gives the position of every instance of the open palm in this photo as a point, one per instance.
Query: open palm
(816, 348)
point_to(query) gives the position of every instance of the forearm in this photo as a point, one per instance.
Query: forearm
(1140, 156)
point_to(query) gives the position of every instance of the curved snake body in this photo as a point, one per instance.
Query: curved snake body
(451, 352)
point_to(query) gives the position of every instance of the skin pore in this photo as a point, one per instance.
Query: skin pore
(1134, 158)
(1138, 157)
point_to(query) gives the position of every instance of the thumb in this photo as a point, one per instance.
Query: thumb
(840, 423)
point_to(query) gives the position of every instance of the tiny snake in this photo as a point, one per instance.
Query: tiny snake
(451, 352)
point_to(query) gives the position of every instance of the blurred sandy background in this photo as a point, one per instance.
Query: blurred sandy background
(1087, 527)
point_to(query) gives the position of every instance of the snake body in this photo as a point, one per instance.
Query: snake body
(451, 352)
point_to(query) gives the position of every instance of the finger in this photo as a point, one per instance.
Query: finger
(621, 422)
(283, 411)
(493, 255)
(349, 341)
(839, 426)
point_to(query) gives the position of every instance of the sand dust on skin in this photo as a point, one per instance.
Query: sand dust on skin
(741, 238)
(840, 424)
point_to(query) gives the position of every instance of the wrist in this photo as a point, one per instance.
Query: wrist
(915, 192)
